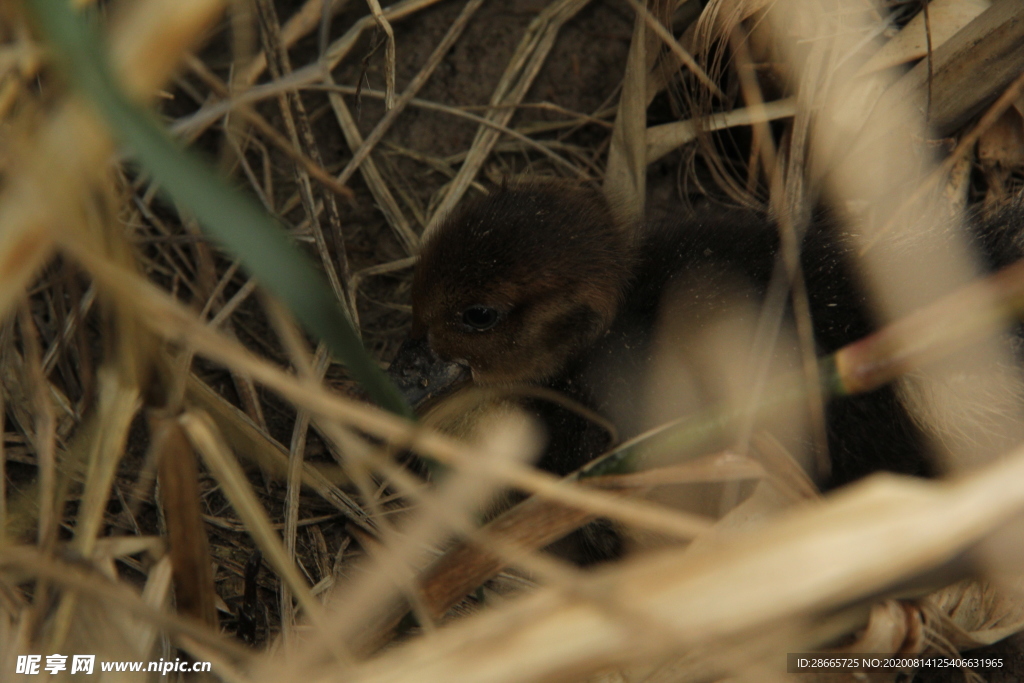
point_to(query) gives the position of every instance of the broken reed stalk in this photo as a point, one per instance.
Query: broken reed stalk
(777, 583)
(952, 323)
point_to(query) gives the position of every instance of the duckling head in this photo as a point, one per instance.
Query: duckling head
(517, 283)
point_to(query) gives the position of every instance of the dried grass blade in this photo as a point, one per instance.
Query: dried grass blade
(976, 613)
(170, 319)
(674, 47)
(118, 404)
(24, 247)
(512, 87)
(849, 548)
(928, 334)
(225, 212)
(340, 48)
(248, 439)
(297, 26)
(374, 179)
(536, 523)
(541, 147)
(155, 594)
(181, 499)
(418, 81)
(370, 605)
(32, 562)
(296, 121)
(708, 468)
(947, 18)
(222, 464)
(625, 180)
(389, 53)
(664, 138)
(296, 463)
(990, 43)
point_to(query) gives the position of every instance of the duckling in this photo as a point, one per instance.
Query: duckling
(517, 289)
(536, 284)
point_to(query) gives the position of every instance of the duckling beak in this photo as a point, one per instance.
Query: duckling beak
(421, 375)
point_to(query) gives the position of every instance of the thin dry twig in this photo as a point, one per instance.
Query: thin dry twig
(529, 56)
(335, 265)
(389, 53)
(673, 45)
(395, 108)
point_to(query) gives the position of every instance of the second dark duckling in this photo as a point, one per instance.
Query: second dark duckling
(537, 284)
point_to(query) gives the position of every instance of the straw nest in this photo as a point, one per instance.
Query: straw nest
(189, 472)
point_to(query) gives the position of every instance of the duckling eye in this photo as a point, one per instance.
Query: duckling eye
(480, 318)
